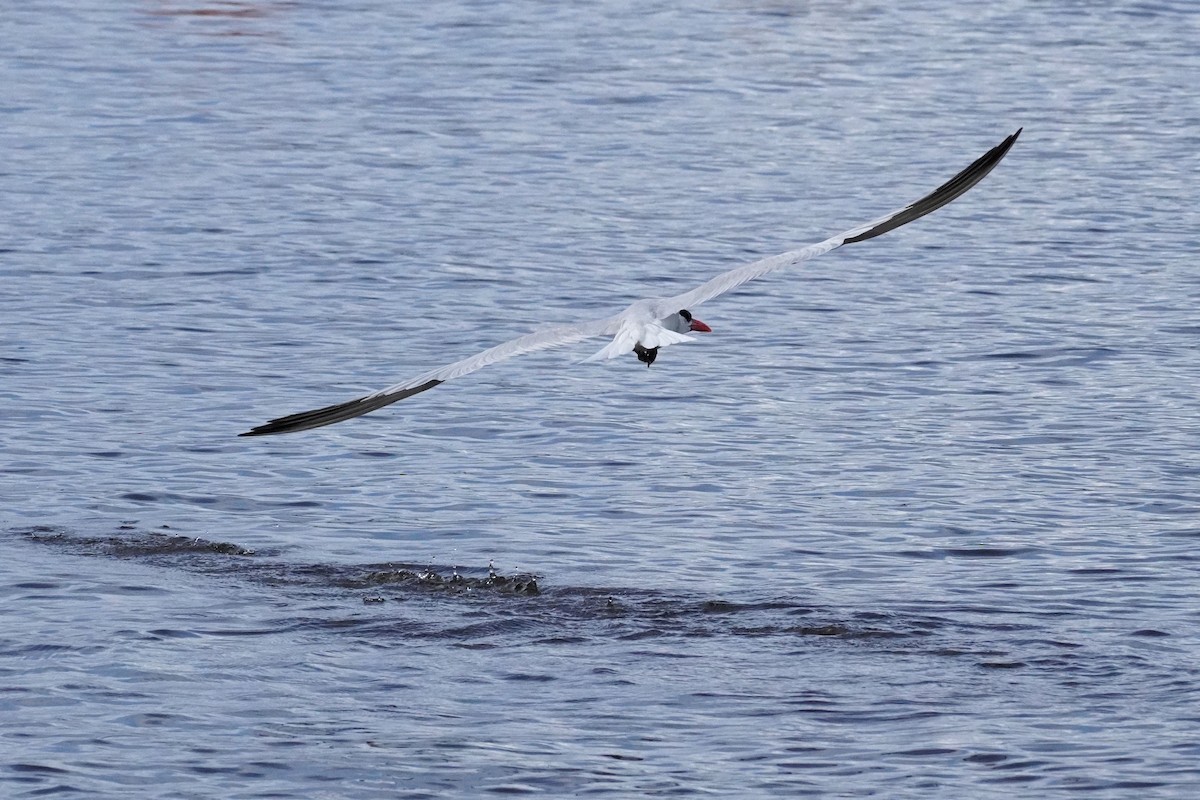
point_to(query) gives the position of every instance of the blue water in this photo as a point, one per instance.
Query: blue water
(917, 520)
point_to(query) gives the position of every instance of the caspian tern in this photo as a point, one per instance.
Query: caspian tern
(647, 325)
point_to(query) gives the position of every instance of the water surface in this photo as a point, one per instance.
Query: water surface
(918, 520)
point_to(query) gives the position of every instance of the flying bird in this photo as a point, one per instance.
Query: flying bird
(647, 325)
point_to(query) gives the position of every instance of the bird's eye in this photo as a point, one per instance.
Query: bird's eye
(687, 315)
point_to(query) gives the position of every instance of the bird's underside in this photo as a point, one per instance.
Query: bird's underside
(647, 325)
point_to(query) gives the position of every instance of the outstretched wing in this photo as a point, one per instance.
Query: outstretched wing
(947, 192)
(543, 339)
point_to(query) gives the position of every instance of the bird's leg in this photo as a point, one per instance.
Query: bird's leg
(645, 355)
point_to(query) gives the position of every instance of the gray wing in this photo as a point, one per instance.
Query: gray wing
(947, 192)
(543, 339)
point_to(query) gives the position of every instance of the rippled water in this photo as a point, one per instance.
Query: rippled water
(918, 520)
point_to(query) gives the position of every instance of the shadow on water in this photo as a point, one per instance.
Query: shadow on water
(265, 567)
(472, 605)
(480, 608)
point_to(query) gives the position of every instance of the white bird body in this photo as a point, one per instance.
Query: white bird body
(646, 325)
(640, 325)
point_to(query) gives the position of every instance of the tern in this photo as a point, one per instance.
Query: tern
(646, 325)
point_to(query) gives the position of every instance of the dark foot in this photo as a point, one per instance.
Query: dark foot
(644, 355)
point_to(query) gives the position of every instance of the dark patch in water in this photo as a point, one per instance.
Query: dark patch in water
(198, 555)
(137, 545)
(429, 578)
(492, 607)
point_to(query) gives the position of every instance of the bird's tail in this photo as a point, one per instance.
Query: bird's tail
(651, 338)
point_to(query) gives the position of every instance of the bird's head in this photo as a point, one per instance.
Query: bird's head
(692, 323)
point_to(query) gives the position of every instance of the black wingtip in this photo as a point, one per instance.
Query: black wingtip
(951, 190)
(306, 420)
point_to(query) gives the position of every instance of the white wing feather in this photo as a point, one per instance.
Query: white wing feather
(543, 339)
(736, 277)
